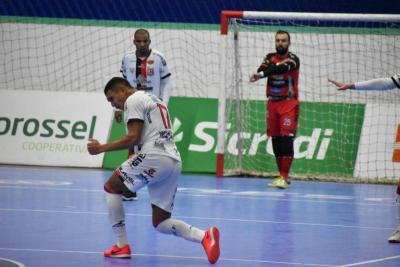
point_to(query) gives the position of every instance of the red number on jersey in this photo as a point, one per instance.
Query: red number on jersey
(164, 115)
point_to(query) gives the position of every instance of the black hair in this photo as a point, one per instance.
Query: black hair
(141, 31)
(283, 32)
(115, 83)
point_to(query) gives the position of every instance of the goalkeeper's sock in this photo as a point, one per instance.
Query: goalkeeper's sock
(279, 164)
(286, 163)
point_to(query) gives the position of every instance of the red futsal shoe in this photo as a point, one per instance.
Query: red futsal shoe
(117, 252)
(210, 244)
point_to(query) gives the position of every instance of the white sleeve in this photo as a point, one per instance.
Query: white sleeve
(164, 90)
(164, 71)
(380, 84)
(135, 108)
(123, 68)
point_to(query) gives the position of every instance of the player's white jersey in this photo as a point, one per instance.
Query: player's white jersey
(145, 73)
(157, 136)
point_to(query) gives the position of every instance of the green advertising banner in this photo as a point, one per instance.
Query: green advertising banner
(326, 142)
(194, 122)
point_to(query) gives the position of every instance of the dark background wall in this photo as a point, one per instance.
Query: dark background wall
(189, 11)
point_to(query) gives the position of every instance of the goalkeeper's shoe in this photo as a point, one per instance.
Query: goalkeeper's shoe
(210, 244)
(117, 252)
(395, 236)
(280, 182)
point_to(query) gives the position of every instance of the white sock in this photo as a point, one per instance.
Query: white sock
(182, 229)
(117, 217)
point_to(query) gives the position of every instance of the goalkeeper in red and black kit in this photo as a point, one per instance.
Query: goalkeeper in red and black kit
(282, 70)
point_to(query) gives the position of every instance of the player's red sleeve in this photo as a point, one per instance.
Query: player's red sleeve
(266, 62)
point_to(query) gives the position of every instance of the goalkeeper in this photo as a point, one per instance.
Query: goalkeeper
(282, 70)
(380, 84)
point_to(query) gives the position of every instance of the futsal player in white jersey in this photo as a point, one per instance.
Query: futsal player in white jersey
(145, 69)
(380, 84)
(157, 166)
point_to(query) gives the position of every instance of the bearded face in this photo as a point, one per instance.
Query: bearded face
(282, 43)
(282, 50)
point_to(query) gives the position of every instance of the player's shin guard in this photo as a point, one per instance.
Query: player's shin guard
(117, 217)
(181, 229)
(276, 144)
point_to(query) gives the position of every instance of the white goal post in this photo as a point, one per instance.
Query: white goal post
(343, 135)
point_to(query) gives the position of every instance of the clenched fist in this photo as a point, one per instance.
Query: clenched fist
(94, 147)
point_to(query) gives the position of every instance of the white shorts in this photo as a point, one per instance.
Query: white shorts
(159, 173)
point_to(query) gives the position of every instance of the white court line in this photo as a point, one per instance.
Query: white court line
(51, 188)
(371, 261)
(168, 256)
(202, 218)
(233, 195)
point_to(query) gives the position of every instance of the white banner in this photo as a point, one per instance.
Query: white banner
(375, 158)
(52, 128)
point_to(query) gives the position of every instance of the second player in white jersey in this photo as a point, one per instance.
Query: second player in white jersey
(157, 136)
(150, 74)
(145, 69)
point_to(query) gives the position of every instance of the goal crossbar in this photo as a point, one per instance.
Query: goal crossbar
(228, 14)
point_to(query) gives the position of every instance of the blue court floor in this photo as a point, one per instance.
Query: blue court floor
(57, 217)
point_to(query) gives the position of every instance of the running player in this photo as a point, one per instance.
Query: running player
(157, 166)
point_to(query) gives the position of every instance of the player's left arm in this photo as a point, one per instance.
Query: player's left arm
(380, 84)
(270, 68)
(165, 90)
(132, 138)
(289, 64)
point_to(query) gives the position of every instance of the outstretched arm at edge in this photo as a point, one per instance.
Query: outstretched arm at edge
(380, 84)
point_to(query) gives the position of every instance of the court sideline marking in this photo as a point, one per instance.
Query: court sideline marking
(259, 195)
(199, 218)
(167, 256)
(371, 261)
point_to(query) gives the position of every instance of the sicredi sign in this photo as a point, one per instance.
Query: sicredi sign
(52, 128)
(304, 146)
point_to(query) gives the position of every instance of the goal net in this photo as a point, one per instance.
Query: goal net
(342, 135)
(51, 54)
